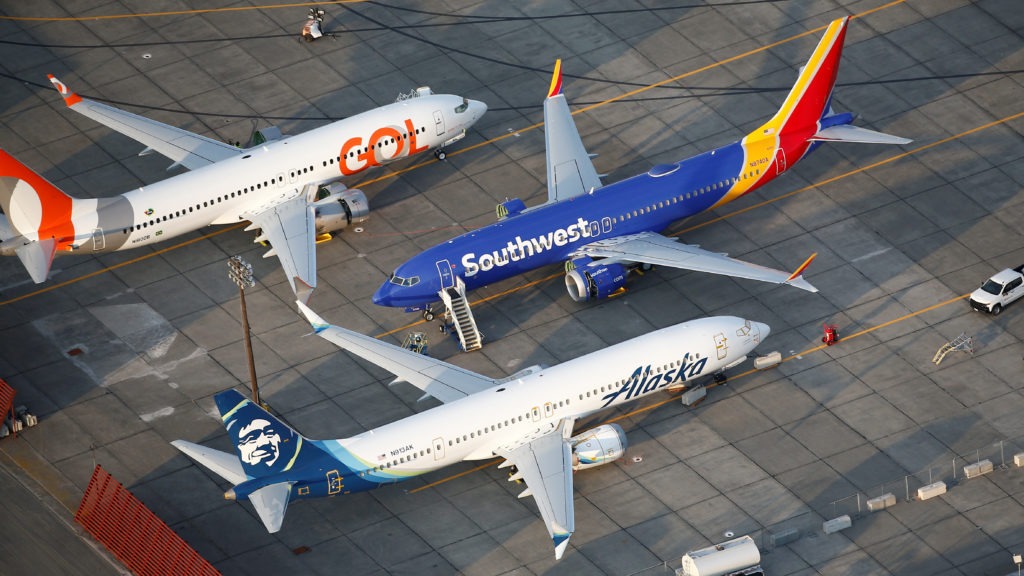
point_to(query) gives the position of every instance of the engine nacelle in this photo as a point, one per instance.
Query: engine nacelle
(585, 282)
(337, 206)
(601, 445)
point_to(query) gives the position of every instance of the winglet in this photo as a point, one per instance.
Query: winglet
(318, 323)
(556, 80)
(796, 273)
(70, 98)
(797, 280)
(560, 539)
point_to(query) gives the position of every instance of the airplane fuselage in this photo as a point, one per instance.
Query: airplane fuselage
(553, 233)
(473, 427)
(221, 193)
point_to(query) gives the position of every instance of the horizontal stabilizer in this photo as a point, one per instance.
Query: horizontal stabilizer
(225, 465)
(850, 133)
(270, 503)
(37, 257)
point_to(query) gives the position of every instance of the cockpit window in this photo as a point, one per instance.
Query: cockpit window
(462, 107)
(398, 280)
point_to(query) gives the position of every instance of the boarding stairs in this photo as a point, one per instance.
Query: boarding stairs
(963, 343)
(457, 305)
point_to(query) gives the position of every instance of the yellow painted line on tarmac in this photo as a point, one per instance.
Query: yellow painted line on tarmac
(121, 265)
(675, 398)
(173, 12)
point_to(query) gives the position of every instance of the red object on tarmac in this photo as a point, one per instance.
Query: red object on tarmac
(831, 334)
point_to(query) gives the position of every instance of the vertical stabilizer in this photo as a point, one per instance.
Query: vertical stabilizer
(265, 445)
(38, 217)
(808, 100)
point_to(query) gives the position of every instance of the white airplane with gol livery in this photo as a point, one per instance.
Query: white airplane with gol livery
(526, 418)
(288, 187)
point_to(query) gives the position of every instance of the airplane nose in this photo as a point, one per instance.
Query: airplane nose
(477, 108)
(382, 297)
(762, 329)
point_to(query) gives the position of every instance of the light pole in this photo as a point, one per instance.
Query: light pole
(240, 273)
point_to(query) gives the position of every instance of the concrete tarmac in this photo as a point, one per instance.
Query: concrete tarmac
(120, 354)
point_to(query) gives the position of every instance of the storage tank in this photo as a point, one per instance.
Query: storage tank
(722, 559)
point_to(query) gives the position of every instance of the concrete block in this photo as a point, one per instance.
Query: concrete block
(836, 524)
(770, 360)
(694, 395)
(783, 537)
(978, 469)
(1018, 459)
(931, 490)
(882, 502)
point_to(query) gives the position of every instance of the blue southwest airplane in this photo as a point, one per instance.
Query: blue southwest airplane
(602, 232)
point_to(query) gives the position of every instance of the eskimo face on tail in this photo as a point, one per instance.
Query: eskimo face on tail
(265, 445)
(259, 443)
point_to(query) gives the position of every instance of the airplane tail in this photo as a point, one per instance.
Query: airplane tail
(267, 451)
(806, 116)
(35, 217)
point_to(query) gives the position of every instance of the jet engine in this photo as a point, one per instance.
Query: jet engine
(584, 282)
(598, 446)
(337, 206)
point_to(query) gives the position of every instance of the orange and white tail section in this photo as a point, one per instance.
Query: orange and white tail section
(38, 217)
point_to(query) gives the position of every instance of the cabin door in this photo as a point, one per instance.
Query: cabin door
(444, 269)
(439, 122)
(438, 448)
(780, 161)
(98, 240)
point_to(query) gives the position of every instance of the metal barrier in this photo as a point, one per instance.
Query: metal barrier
(7, 404)
(136, 536)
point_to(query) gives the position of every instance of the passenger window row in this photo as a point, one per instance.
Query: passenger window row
(687, 196)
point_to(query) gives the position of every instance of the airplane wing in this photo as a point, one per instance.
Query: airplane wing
(287, 222)
(544, 462)
(570, 171)
(443, 381)
(653, 248)
(185, 148)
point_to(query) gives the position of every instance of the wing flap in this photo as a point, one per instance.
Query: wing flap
(288, 222)
(545, 464)
(570, 171)
(653, 248)
(444, 381)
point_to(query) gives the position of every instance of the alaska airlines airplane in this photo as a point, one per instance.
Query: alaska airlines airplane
(602, 232)
(526, 418)
(285, 186)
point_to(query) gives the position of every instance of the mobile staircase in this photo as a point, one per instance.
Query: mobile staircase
(457, 305)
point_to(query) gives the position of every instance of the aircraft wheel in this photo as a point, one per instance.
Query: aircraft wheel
(428, 315)
(440, 154)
